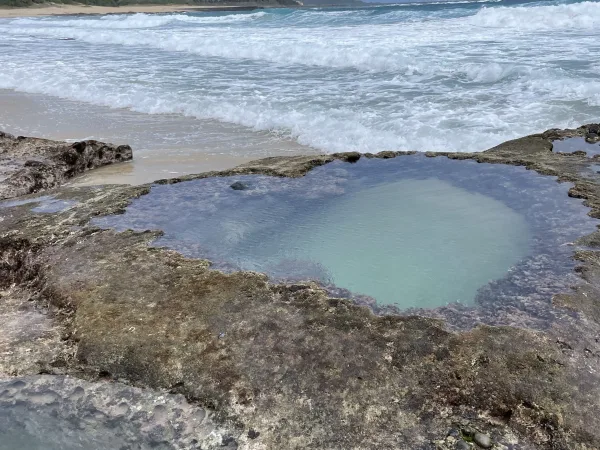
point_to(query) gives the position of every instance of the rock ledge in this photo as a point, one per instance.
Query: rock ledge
(29, 165)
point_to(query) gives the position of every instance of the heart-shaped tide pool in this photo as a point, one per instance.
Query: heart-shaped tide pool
(410, 232)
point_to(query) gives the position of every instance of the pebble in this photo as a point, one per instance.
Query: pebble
(462, 445)
(483, 440)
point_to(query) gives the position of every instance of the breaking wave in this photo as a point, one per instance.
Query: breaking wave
(140, 20)
(574, 17)
(457, 77)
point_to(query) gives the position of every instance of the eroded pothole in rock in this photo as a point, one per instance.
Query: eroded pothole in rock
(410, 232)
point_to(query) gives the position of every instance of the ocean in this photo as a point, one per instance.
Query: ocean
(449, 76)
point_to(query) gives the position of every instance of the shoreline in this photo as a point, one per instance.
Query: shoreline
(166, 145)
(79, 9)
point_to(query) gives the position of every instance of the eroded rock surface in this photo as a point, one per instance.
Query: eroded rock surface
(286, 365)
(64, 413)
(29, 165)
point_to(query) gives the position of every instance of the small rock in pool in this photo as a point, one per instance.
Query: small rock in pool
(239, 186)
(462, 445)
(483, 440)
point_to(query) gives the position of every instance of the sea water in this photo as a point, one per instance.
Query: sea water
(412, 232)
(457, 76)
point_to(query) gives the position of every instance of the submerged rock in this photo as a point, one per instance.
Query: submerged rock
(29, 165)
(239, 186)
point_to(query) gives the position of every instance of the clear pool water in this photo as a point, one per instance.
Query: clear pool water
(43, 204)
(409, 232)
(570, 145)
(410, 242)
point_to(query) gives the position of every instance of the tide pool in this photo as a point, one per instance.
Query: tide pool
(412, 232)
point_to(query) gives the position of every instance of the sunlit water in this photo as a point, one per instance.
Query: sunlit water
(409, 232)
(451, 76)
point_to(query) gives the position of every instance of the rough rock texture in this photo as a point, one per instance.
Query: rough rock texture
(72, 414)
(29, 165)
(285, 366)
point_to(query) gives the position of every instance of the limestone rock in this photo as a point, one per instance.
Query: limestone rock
(29, 165)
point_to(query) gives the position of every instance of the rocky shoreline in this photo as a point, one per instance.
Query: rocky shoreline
(286, 365)
(29, 165)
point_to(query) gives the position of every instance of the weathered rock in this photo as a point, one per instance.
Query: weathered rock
(70, 413)
(468, 432)
(594, 128)
(29, 165)
(462, 445)
(483, 440)
(592, 138)
(454, 432)
(386, 154)
(285, 366)
(350, 157)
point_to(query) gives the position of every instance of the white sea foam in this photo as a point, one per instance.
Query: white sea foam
(362, 47)
(575, 17)
(463, 78)
(139, 20)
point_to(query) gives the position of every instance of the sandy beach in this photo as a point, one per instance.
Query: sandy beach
(165, 146)
(58, 10)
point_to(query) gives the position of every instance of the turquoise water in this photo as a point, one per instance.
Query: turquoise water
(413, 243)
(451, 76)
(408, 232)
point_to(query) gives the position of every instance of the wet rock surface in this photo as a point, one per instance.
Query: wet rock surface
(63, 413)
(287, 365)
(29, 165)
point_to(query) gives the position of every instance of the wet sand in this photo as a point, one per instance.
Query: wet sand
(164, 146)
(56, 10)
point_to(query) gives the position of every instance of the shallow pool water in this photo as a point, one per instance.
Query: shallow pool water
(570, 145)
(410, 232)
(409, 242)
(45, 204)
